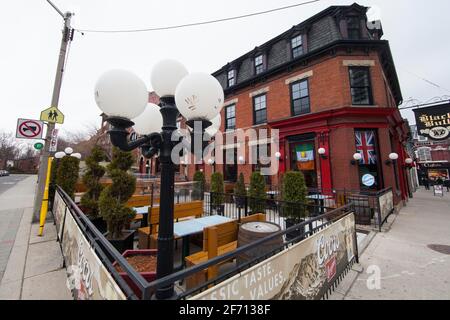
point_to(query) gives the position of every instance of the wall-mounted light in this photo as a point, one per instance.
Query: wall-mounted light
(278, 155)
(356, 158)
(210, 161)
(241, 159)
(408, 163)
(392, 158)
(322, 152)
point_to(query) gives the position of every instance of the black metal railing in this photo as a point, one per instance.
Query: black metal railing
(235, 207)
(366, 203)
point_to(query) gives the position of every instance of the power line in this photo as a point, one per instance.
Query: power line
(200, 23)
(425, 104)
(426, 80)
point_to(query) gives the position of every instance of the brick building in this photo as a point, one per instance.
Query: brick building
(329, 82)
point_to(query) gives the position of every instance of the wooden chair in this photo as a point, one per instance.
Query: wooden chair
(217, 240)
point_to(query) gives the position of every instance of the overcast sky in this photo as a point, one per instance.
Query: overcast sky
(30, 34)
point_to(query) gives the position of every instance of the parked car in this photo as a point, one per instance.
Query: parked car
(4, 173)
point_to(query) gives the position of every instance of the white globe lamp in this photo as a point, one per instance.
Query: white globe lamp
(357, 156)
(150, 120)
(166, 75)
(121, 93)
(393, 156)
(198, 97)
(60, 154)
(68, 150)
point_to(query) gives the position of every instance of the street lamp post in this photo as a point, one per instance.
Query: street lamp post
(122, 96)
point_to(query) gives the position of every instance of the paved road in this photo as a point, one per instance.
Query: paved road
(16, 191)
(8, 182)
(400, 264)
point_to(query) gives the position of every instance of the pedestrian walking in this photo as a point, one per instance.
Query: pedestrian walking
(447, 184)
(426, 183)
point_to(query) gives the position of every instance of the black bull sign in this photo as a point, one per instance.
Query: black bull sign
(434, 122)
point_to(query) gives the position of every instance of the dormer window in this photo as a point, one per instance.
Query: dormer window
(354, 28)
(231, 78)
(259, 64)
(297, 46)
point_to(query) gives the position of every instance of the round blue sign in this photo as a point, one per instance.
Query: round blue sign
(368, 180)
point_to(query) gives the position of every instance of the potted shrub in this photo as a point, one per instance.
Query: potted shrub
(217, 193)
(199, 185)
(113, 198)
(293, 194)
(257, 193)
(91, 179)
(67, 174)
(240, 192)
(144, 262)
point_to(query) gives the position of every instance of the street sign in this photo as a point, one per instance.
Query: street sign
(38, 145)
(54, 140)
(53, 115)
(29, 129)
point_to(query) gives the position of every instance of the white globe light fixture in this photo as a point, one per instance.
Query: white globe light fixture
(408, 160)
(321, 151)
(60, 154)
(166, 75)
(277, 155)
(210, 161)
(68, 150)
(76, 155)
(357, 156)
(393, 156)
(198, 97)
(150, 120)
(120, 93)
(241, 159)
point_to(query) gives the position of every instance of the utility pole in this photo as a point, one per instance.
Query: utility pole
(67, 35)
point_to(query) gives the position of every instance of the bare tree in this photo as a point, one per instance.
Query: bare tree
(8, 148)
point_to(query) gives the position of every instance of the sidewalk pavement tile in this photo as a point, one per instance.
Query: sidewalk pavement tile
(43, 257)
(48, 286)
(49, 233)
(11, 290)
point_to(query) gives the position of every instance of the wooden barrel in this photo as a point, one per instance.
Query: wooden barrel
(252, 231)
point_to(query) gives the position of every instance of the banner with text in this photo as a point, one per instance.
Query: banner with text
(88, 278)
(303, 271)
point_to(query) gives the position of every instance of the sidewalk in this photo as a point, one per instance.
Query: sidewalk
(33, 264)
(399, 264)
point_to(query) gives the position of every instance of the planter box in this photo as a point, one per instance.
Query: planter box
(126, 243)
(100, 224)
(149, 276)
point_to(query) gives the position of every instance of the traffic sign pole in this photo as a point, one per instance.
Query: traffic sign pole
(66, 39)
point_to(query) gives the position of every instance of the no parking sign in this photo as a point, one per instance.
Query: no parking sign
(29, 129)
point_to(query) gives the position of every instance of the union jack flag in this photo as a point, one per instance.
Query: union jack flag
(365, 146)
